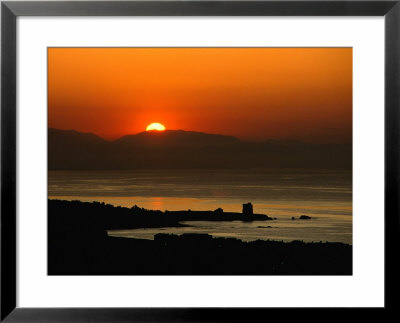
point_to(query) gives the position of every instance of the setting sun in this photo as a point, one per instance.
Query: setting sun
(155, 126)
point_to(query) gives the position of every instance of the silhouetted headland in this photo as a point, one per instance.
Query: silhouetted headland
(108, 217)
(78, 244)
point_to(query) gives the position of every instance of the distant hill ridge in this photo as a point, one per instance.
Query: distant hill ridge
(70, 135)
(175, 137)
(176, 149)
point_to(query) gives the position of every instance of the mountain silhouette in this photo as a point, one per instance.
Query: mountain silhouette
(179, 149)
(72, 137)
(175, 138)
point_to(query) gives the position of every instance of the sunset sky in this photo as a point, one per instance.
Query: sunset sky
(251, 93)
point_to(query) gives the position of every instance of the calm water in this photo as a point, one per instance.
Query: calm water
(326, 196)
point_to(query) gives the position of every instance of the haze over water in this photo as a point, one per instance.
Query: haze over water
(326, 196)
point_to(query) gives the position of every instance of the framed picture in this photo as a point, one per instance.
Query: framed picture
(179, 155)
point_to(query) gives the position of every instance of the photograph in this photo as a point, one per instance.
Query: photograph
(200, 161)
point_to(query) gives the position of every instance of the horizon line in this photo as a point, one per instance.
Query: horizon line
(269, 140)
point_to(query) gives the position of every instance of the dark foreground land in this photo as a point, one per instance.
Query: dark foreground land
(78, 244)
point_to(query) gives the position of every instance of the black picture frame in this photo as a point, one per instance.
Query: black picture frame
(10, 10)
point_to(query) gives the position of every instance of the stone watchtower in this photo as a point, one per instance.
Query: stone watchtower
(247, 209)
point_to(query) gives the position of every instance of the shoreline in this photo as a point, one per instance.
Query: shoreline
(109, 218)
(78, 244)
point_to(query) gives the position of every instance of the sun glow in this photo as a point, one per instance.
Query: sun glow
(155, 126)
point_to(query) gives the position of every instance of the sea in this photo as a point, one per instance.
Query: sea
(284, 194)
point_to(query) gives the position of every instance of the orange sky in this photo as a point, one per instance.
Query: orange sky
(251, 93)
